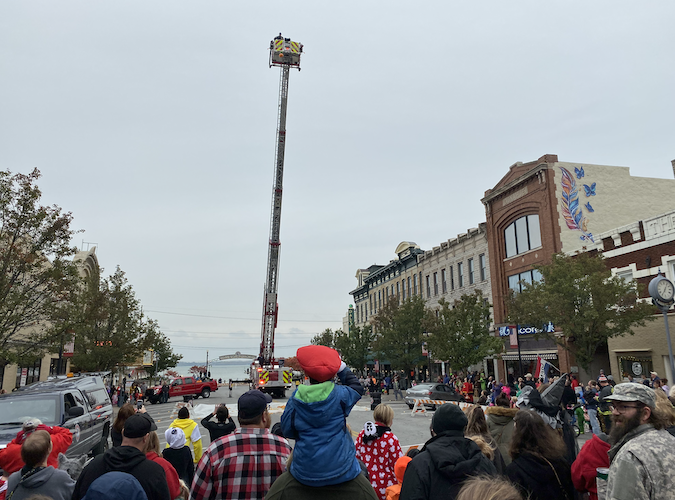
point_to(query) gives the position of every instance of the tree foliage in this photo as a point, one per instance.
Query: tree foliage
(355, 345)
(461, 335)
(37, 275)
(400, 332)
(327, 338)
(196, 370)
(293, 363)
(582, 299)
(111, 328)
(164, 356)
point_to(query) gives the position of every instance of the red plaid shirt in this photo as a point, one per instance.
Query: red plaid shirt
(243, 464)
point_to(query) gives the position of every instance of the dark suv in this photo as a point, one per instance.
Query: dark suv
(80, 404)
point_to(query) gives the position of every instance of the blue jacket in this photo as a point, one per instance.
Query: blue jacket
(316, 418)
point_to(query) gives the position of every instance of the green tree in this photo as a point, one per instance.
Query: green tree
(584, 301)
(355, 346)
(461, 335)
(165, 358)
(400, 332)
(111, 329)
(327, 338)
(37, 275)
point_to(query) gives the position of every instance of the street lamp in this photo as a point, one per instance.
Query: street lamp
(662, 292)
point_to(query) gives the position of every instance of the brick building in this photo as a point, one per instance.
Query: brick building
(547, 206)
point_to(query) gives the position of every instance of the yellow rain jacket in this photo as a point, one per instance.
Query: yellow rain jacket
(192, 435)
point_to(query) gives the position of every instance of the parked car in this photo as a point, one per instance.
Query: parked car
(80, 404)
(188, 387)
(431, 391)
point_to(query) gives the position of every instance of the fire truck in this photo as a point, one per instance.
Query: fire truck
(267, 373)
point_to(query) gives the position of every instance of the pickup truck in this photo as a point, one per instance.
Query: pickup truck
(188, 387)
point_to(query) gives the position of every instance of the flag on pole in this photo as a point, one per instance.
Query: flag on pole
(541, 370)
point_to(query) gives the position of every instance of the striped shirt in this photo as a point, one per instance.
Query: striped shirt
(241, 465)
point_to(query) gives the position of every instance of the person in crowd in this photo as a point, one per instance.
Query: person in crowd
(488, 488)
(191, 430)
(591, 398)
(245, 463)
(652, 377)
(396, 384)
(664, 385)
(379, 449)
(315, 416)
(446, 460)
(477, 426)
(530, 381)
(223, 425)
(393, 492)
(36, 477)
(115, 485)
(141, 391)
(10, 456)
(483, 399)
(642, 455)
(584, 469)
(500, 424)
(230, 386)
(129, 457)
(118, 425)
(604, 409)
(467, 390)
(179, 455)
(152, 454)
(538, 465)
(165, 392)
(666, 408)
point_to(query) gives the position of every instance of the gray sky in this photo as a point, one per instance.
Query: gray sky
(154, 122)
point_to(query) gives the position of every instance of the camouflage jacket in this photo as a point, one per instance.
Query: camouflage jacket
(642, 466)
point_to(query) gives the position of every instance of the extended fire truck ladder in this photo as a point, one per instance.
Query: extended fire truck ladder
(285, 54)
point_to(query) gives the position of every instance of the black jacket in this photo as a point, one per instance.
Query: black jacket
(182, 461)
(536, 478)
(439, 470)
(218, 429)
(125, 459)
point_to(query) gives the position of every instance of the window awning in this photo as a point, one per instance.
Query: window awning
(531, 356)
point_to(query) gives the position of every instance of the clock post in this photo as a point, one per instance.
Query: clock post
(662, 292)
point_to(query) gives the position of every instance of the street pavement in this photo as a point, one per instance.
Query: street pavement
(411, 430)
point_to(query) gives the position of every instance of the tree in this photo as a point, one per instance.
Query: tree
(400, 332)
(196, 370)
(327, 338)
(355, 346)
(161, 346)
(172, 373)
(293, 363)
(461, 335)
(111, 329)
(36, 271)
(585, 303)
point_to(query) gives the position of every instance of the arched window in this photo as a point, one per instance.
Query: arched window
(522, 235)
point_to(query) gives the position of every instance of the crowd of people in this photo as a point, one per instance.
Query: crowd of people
(514, 447)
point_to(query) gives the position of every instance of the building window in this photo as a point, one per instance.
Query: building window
(403, 289)
(444, 283)
(370, 297)
(366, 305)
(31, 372)
(398, 289)
(452, 278)
(428, 287)
(460, 273)
(435, 284)
(379, 299)
(483, 268)
(516, 281)
(415, 284)
(522, 235)
(471, 278)
(421, 285)
(408, 286)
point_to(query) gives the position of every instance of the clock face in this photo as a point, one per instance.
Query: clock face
(665, 289)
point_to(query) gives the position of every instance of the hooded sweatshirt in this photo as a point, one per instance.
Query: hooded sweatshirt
(130, 460)
(10, 457)
(541, 480)
(48, 481)
(315, 417)
(445, 462)
(192, 435)
(394, 491)
(584, 469)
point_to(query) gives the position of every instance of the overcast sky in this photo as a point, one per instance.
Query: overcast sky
(154, 123)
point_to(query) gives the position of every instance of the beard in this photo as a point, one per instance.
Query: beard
(622, 426)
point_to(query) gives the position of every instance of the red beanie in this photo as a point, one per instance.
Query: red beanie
(319, 362)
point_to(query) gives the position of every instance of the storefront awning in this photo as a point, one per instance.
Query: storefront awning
(530, 356)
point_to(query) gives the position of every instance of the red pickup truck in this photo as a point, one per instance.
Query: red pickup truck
(184, 386)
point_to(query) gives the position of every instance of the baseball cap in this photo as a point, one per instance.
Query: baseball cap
(138, 425)
(253, 403)
(633, 392)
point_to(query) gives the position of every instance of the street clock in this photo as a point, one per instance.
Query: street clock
(662, 291)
